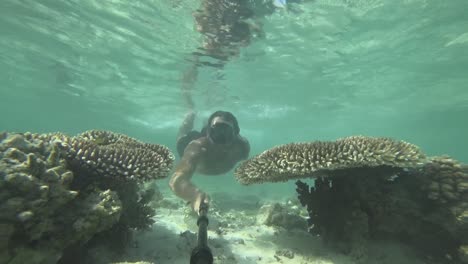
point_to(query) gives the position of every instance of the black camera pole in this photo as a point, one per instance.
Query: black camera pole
(201, 254)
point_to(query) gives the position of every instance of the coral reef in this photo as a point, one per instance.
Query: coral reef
(367, 189)
(445, 184)
(60, 193)
(446, 181)
(303, 160)
(115, 155)
(40, 215)
(352, 207)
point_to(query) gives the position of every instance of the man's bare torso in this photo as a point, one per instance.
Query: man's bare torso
(215, 159)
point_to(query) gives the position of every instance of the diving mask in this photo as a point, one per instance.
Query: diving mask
(221, 132)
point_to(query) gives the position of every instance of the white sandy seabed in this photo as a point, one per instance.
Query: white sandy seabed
(237, 236)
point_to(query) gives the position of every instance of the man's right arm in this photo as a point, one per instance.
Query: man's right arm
(180, 182)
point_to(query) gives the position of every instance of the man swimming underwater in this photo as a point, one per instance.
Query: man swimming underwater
(213, 151)
(226, 25)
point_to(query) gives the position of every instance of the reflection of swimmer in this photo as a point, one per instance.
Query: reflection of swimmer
(226, 25)
(213, 151)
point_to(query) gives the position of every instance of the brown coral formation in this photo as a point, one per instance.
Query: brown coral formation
(47, 214)
(446, 186)
(302, 160)
(447, 180)
(40, 215)
(355, 206)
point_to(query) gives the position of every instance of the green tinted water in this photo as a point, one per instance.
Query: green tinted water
(326, 69)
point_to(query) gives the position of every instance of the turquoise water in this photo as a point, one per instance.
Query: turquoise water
(326, 69)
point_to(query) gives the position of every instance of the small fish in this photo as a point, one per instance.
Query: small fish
(279, 3)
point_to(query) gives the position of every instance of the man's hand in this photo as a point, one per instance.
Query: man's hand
(198, 200)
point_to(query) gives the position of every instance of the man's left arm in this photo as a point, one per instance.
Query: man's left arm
(245, 148)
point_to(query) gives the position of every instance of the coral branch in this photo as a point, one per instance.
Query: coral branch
(302, 160)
